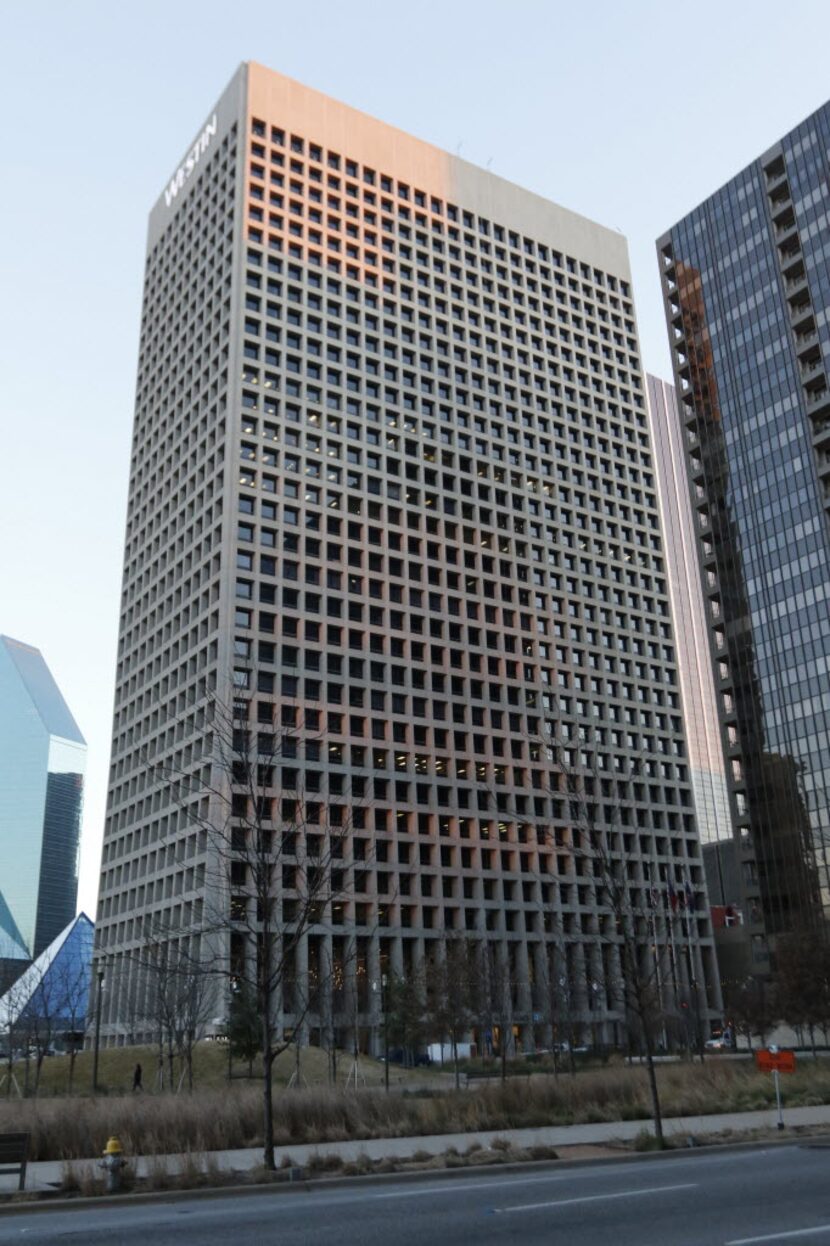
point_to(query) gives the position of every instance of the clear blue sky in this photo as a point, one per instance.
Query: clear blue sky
(630, 113)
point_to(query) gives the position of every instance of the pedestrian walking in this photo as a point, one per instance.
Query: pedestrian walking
(137, 1078)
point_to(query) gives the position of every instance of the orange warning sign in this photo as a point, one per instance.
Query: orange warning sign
(769, 1061)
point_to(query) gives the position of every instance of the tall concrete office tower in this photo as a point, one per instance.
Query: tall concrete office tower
(392, 480)
(706, 760)
(42, 762)
(747, 294)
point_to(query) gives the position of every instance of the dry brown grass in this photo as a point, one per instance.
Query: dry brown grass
(213, 1120)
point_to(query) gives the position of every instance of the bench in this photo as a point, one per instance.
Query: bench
(14, 1155)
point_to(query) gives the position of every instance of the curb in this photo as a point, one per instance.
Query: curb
(42, 1203)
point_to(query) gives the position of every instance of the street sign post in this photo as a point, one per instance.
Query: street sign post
(776, 1062)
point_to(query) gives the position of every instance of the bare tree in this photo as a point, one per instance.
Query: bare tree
(802, 980)
(627, 912)
(184, 989)
(491, 1002)
(492, 998)
(244, 1028)
(751, 1007)
(561, 1003)
(275, 862)
(56, 1001)
(334, 996)
(406, 1012)
(40, 1021)
(450, 995)
(629, 930)
(192, 1004)
(71, 988)
(14, 1028)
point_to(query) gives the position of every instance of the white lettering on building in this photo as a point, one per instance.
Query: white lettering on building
(190, 161)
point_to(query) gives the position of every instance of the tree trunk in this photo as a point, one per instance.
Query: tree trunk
(503, 1056)
(268, 1107)
(455, 1062)
(268, 1057)
(652, 1085)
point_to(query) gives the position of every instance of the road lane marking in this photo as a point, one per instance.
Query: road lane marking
(451, 1187)
(783, 1236)
(598, 1198)
(560, 1175)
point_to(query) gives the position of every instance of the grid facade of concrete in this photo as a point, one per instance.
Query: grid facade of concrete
(393, 481)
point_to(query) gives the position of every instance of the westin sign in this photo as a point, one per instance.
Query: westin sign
(190, 161)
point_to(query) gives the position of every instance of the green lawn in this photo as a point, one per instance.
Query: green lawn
(210, 1070)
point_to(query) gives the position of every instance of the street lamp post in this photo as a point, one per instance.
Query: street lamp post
(98, 993)
(594, 1022)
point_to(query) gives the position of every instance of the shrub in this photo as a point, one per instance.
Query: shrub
(647, 1141)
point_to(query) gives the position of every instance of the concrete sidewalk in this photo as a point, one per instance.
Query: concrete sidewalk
(46, 1175)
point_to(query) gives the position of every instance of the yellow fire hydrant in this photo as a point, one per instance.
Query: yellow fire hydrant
(113, 1164)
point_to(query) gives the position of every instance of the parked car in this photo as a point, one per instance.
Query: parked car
(718, 1043)
(419, 1059)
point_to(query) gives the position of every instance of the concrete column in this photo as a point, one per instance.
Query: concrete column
(524, 1003)
(302, 987)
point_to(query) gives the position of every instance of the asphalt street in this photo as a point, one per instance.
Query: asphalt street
(780, 1195)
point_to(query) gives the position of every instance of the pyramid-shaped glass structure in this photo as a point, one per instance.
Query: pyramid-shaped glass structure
(56, 985)
(42, 762)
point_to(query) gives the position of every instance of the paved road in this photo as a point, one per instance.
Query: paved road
(770, 1197)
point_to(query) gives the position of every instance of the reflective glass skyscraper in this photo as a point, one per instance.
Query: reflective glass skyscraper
(747, 295)
(42, 759)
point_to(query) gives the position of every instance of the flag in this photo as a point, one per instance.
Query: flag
(690, 898)
(672, 895)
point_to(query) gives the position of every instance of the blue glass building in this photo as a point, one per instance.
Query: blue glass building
(42, 759)
(746, 280)
(56, 986)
